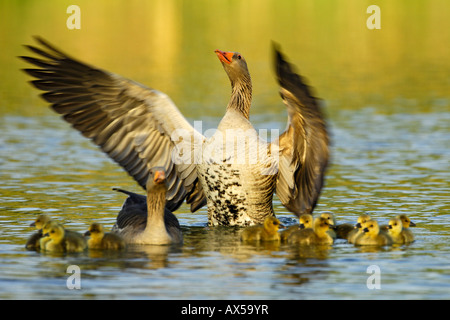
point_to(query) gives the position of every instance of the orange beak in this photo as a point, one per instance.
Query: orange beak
(160, 177)
(225, 57)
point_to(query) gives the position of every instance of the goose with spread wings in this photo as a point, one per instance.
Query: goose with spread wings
(234, 172)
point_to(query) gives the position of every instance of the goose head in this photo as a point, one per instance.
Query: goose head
(236, 68)
(157, 180)
(234, 64)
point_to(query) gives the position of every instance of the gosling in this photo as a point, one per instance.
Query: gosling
(266, 232)
(406, 223)
(373, 236)
(331, 222)
(358, 230)
(62, 241)
(101, 240)
(33, 242)
(398, 234)
(305, 222)
(316, 236)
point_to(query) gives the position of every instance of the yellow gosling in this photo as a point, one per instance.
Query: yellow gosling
(62, 241)
(398, 234)
(266, 232)
(331, 222)
(45, 230)
(40, 221)
(406, 223)
(33, 242)
(305, 222)
(101, 240)
(358, 230)
(373, 236)
(316, 236)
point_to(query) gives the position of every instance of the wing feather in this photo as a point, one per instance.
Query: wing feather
(131, 123)
(304, 150)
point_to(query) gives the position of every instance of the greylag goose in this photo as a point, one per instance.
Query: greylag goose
(33, 242)
(156, 225)
(318, 235)
(61, 241)
(265, 232)
(305, 222)
(98, 239)
(140, 128)
(399, 234)
(372, 235)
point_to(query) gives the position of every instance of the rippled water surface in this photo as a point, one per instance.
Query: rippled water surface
(386, 97)
(393, 168)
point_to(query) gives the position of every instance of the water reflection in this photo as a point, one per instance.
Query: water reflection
(386, 94)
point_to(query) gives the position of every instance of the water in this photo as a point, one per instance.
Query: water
(64, 176)
(387, 102)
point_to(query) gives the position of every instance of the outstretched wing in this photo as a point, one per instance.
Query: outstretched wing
(131, 123)
(303, 146)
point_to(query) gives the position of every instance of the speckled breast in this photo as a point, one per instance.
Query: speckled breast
(238, 190)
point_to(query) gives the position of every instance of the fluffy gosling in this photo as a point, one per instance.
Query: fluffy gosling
(266, 232)
(101, 240)
(358, 230)
(316, 236)
(33, 242)
(305, 222)
(62, 241)
(373, 236)
(398, 234)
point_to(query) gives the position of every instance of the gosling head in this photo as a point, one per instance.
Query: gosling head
(46, 227)
(40, 221)
(371, 228)
(272, 224)
(395, 226)
(306, 221)
(95, 231)
(321, 225)
(406, 221)
(55, 232)
(362, 219)
(330, 218)
(157, 180)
